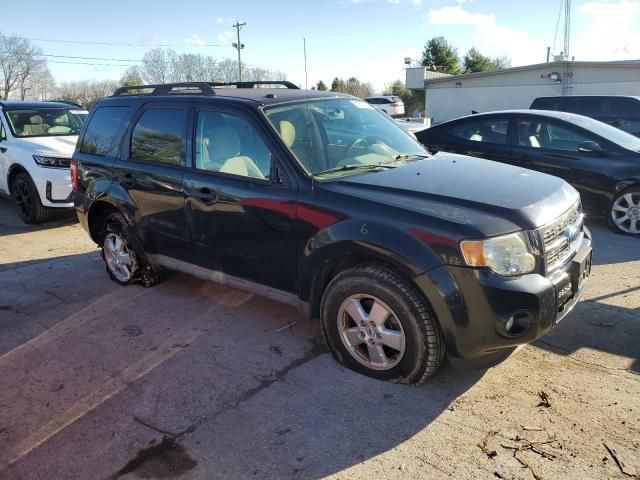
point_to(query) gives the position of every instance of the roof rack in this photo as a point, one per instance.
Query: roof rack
(254, 84)
(201, 88)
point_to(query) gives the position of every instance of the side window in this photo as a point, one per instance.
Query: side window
(541, 134)
(622, 107)
(102, 129)
(228, 143)
(482, 130)
(158, 136)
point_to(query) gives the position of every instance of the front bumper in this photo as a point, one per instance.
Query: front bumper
(477, 306)
(54, 186)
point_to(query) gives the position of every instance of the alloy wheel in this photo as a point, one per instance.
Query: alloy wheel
(119, 258)
(625, 212)
(23, 198)
(371, 332)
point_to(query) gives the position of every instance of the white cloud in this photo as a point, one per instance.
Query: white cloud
(489, 36)
(225, 37)
(395, 2)
(416, 2)
(220, 20)
(195, 39)
(611, 31)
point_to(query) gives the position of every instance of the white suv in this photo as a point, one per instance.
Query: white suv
(37, 140)
(391, 104)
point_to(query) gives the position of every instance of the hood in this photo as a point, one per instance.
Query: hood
(60, 146)
(489, 198)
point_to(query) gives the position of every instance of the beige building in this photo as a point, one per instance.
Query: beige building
(449, 96)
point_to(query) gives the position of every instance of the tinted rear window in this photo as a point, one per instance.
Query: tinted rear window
(622, 107)
(102, 129)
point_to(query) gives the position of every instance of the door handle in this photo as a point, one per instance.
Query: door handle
(206, 195)
(128, 179)
(3, 149)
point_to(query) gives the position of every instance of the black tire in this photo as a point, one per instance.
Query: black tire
(25, 196)
(424, 346)
(141, 270)
(633, 212)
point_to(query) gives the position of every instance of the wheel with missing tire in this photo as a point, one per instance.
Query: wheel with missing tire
(376, 323)
(624, 213)
(124, 260)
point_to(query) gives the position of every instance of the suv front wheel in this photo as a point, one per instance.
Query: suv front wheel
(374, 322)
(25, 196)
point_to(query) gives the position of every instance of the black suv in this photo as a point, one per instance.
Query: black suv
(617, 110)
(318, 200)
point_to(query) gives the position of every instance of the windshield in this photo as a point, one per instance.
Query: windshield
(345, 132)
(613, 134)
(45, 122)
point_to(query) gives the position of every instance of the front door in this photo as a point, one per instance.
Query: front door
(150, 170)
(241, 213)
(552, 147)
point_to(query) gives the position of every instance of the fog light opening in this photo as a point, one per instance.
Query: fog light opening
(516, 324)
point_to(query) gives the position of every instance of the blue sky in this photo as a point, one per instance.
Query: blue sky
(364, 38)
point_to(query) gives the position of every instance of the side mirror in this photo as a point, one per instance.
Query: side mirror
(591, 147)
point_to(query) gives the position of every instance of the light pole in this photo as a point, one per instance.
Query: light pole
(239, 46)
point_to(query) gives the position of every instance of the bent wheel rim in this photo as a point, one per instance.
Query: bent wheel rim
(23, 198)
(119, 258)
(371, 332)
(625, 212)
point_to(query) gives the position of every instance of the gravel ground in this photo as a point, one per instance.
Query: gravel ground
(197, 381)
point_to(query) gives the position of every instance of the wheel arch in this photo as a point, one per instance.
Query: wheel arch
(336, 249)
(13, 171)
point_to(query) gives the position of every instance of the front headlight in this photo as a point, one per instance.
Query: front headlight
(51, 162)
(505, 255)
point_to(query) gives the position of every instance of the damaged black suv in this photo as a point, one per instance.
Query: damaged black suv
(318, 200)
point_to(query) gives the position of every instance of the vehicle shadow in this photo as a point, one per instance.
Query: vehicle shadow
(602, 322)
(11, 224)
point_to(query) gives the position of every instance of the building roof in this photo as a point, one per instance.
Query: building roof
(507, 71)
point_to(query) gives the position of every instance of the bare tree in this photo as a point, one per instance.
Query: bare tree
(19, 60)
(85, 92)
(39, 86)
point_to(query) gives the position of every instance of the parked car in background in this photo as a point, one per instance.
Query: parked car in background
(316, 199)
(600, 161)
(37, 140)
(616, 110)
(391, 104)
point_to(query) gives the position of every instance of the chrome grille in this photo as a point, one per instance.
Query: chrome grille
(562, 237)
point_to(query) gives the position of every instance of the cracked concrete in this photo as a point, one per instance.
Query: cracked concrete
(94, 378)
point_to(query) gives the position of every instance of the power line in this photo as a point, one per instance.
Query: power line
(96, 64)
(114, 44)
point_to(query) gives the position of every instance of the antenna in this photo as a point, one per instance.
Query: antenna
(567, 27)
(306, 78)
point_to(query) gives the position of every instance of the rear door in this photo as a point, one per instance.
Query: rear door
(240, 203)
(484, 137)
(551, 146)
(150, 170)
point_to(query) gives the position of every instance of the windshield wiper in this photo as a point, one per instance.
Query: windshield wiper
(355, 166)
(404, 156)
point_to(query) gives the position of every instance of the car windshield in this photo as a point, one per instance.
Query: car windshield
(335, 136)
(613, 134)
(45, 121)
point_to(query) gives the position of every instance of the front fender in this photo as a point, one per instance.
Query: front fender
(391, 245)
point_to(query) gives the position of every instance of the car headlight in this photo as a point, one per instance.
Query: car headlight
(51, 162)
(505, 255)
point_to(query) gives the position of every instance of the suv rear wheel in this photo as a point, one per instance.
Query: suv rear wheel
(624, 213)
(25, 195)
(375, 323)
(125, 262)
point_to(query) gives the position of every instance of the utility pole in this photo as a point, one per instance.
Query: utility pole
(239, 46)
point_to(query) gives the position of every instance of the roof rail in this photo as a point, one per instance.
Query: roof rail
(74, 104)
(253, 84)
(201, 88)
